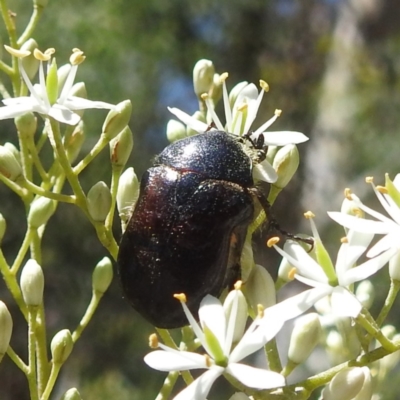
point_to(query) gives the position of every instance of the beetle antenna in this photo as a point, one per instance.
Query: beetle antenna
(273, 223)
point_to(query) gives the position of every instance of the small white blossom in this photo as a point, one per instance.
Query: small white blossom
(63, 107)
(239, 119)
(216, 335)
(390, 227)
(327, 280)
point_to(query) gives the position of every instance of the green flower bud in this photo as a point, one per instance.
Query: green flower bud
(127, 194)
(286, 162)
(117, 119)
(365, 293)
(200, 117)
(203, 75)
(366, 392)
(41, 210)
(73, 140)
(345, 385)
(6, 326)
(13, 150)
(32, 283)
(175, 130)
(9, 166)
(121, 147)
(234, 93)
(30, 63)
(102, 275)
(62, 74)
(26, 124)
(61, 346)
(305, 336)
(394, 267)
(99, 201)
(71, 394)
(271, 153)
(260, 289)
(241, 317)
(3, 226)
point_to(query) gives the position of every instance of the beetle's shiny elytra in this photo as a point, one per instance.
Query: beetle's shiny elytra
(188, 227)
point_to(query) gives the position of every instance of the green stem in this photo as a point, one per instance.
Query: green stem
(61, 155)
(36, 160)
(46, 193)
(168, 385)
(94, 302)
(116, 174)
(3, 91)
(55, 369)
(391, 297)
(33, 389)
(36, 246)
(272, 354)
(22, 251)
(37, 12)
(101, 143)
(6, 69)
(17, 360)
(367, 322)
(12, 285)
(26, 159)
(16, 188)
(41, 350)
(9, 23)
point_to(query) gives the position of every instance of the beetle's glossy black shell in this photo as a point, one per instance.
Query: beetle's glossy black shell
(188, 227)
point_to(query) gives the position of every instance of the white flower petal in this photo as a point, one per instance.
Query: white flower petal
(389, 205)
(188, 120)
(388, 241)
(351, 251)
(79, 103)
(199, 389)
(305, 264)
(282, 138)
(265, 172)
(175, 360)
(12, 111)
(212, 315)
(360, 224)
(256, 337)
(255, 377)
(295, 305)
(64, 115)
(344, 303)
(366, 269)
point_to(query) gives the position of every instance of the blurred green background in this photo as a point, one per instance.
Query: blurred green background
(333, 67)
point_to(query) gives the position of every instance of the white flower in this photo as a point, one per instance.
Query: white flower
(239, 119)
(383, 226)
(327, 280)
(216, 336)
(60, 107)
